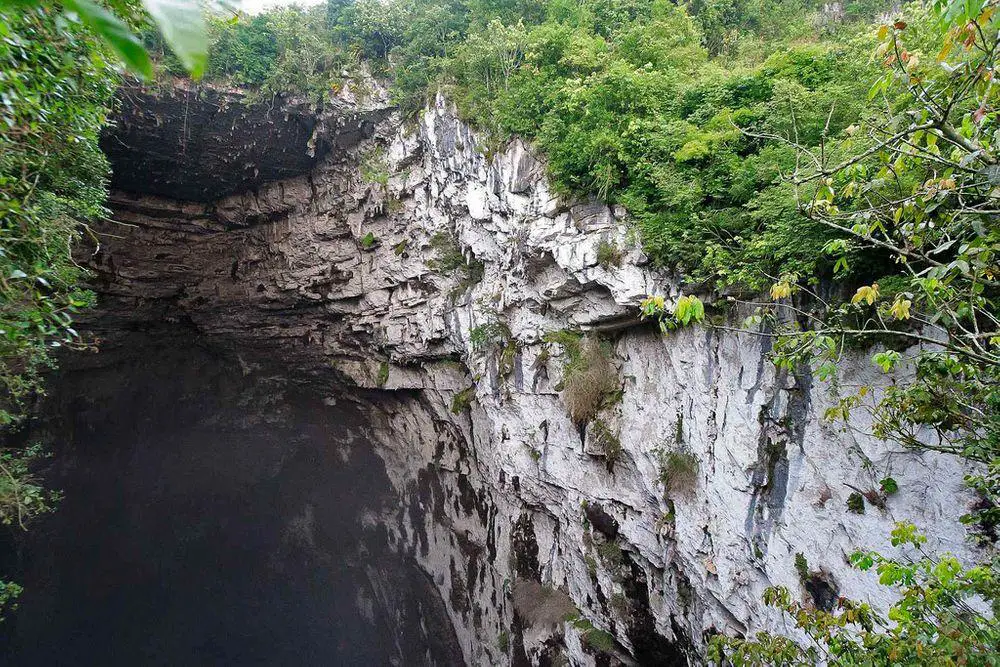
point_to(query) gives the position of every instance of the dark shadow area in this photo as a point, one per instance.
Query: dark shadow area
(215, 518)
(199, 143)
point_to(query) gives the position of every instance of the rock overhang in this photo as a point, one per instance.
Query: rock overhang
(201, 143)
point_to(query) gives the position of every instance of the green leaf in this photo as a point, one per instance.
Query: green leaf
(117, 35)
(889, 485)
(887, 360)
(183, 27)
(689, 309)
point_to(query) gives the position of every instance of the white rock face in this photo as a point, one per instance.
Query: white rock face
(366, 278)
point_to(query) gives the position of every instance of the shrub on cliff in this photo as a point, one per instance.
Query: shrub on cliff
(538, 604)
(678, 471)
(590, 380)
(938, 619)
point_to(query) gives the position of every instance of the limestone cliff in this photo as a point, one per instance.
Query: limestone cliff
(402, 267)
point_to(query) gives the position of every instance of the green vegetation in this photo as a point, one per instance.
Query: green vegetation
(932, 622)
(449, 260)
(678, 471)
(52, 179)
(612, 556)
(541, 604)
(22, 498)
(802, 567)
(910, 223)
(609, 441)
(383, 374)
(767, 146)
(368, 241)
(462, 400)
(590, 381)
(493, 334)
(626, 98)
(594, 638)
(888, 486)
(374, 168)
(494, 337)
(58, 71)
(856, 503)
(609, 254)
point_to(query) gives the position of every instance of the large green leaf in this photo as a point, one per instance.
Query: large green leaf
(183, 27)
(115, 33)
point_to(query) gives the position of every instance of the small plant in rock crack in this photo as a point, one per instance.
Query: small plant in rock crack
(667, 522)
(609, 442)
(619, 603)
(449, 255)
(678, 471)
(609, 254)
(495, 336)
(383, 374)
(611, 554)
(875, 497)
(593, 638)
(374, 167)
(462, 400)
(888, 485)
(492, 334)
(394, 204)
(368, 241)
(856, 503)
(450, 259)
(802, 567)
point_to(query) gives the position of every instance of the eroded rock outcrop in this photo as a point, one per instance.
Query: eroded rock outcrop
(422, 282)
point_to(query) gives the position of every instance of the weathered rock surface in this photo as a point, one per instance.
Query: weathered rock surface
(347, 279)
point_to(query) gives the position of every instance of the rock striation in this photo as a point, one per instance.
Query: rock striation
(439, 291)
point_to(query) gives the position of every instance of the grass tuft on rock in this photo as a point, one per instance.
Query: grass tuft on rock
(590, 380)
(678, 471)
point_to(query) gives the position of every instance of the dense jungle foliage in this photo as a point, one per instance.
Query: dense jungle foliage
(762, 147)
(55, 86)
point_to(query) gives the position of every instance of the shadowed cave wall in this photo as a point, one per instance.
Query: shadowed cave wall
(214, 518)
